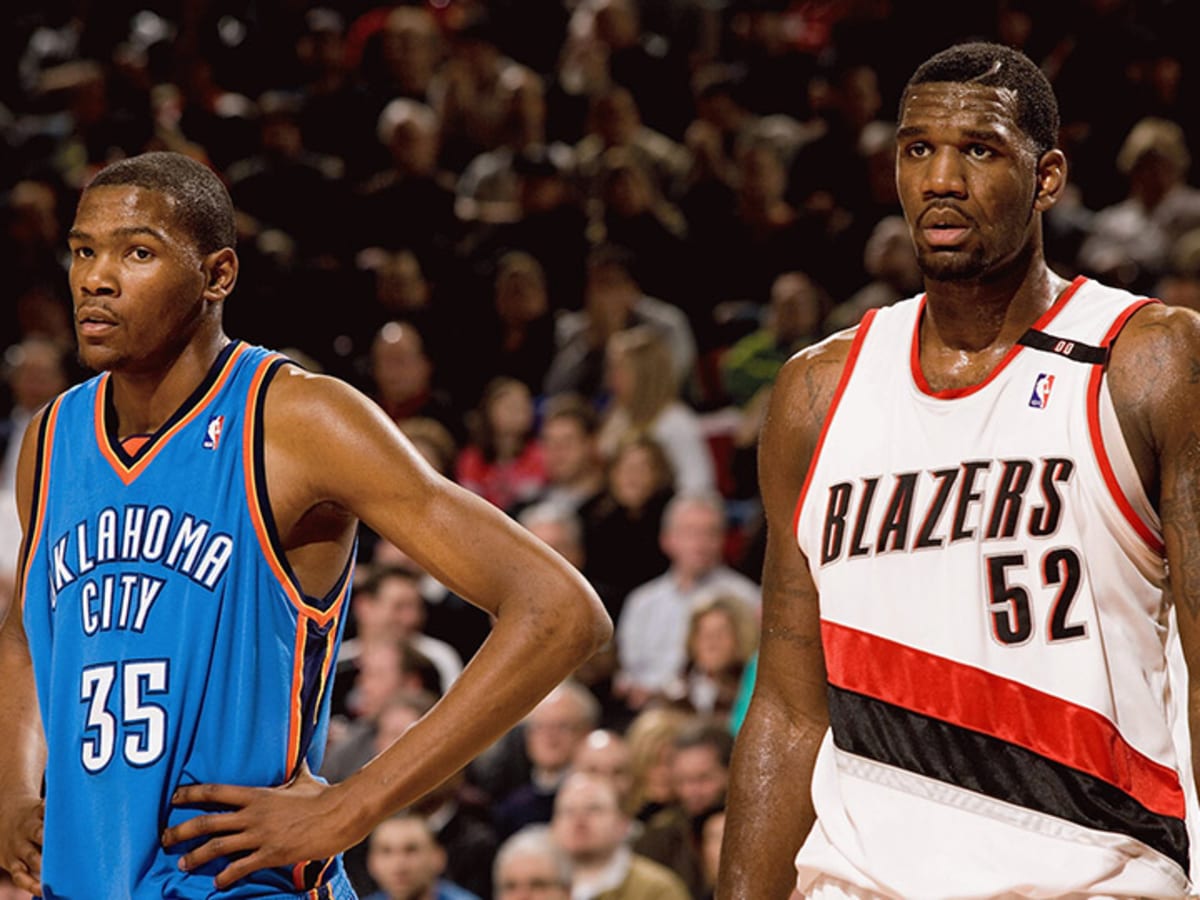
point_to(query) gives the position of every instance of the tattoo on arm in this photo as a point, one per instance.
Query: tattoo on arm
(1181, 525)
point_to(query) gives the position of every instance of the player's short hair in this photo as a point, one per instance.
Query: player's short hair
(994, 65)
(199, 199)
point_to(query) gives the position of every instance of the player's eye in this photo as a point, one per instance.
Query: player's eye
(141, 254)
(918, 150)
(980, 151)
(82, 252)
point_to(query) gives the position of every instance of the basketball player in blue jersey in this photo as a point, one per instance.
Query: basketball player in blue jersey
(189, 521)
(982, 583)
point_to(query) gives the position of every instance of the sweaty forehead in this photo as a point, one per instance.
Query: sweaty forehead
(941, 104)
(112, 208)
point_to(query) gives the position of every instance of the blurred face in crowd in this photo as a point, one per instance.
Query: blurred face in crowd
(394, 720)
(795, 309)
(570, 452)
(37, 375)
(530, 876)
(694, 538)
(559, 537)
(379, 677)
(698, 778)
(553, 731)
(588, 822)
(398, 363)
(511, 411)
(395, 610)
(635, 477)
(606, 755)
(714, 645)
(520, 291)
(404, 859)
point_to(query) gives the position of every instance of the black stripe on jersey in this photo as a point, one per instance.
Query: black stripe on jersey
(1073, 350)
(35, 500)
(322, 604)
(968, 759)
(316, 645)
(110, 410)
(311, 874)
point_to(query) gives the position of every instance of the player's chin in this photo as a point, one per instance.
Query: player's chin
(98, 357)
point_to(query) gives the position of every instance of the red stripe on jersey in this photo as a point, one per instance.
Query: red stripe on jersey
(981, 701)
(951, 393)
(1145, 532)
(851, 358)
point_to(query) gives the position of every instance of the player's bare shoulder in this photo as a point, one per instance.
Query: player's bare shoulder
(807, 382)
(1154, 367)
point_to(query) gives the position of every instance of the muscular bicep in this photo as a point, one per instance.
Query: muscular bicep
(791, 664)
(1155, 380)
(333, 446)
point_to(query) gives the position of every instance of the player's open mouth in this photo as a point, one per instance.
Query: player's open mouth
(89, 323)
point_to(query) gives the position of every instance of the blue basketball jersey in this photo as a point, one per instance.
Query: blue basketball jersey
(171, 641)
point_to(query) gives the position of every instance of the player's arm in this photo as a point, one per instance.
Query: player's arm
(1154, 378)
(339, 448)
(770, 807)
(23, 749)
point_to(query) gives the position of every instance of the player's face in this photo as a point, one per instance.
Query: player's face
(138, 283)
(968, 179)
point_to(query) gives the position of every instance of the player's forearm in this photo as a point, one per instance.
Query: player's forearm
(539, 638)
(23, 749)
(770, 808)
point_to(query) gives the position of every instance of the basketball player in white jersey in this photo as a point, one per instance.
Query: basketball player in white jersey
(982, 581)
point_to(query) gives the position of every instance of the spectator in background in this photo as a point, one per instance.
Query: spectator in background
(590, 825)
(652, 632)
(635, 215)
(284, 187)
(574, 469)
(400, 57)
(503, 461)
(615, 122)
(1131, 240)
(712, 835)
(699, 777)
(523, 336)
(621, 528)
(722, 637)
(646, 400)
(462, 824)
(552, 734)
(614, 302)
(606, 754)
(651, 736)
(406, 862)
(791, 322)
(1180, 286)
(409, 204)
(402, 376)
(35, 372)
(531, 866)
(891, 262)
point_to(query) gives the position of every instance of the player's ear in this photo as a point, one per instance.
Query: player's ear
(221, 269)
(1052, 178)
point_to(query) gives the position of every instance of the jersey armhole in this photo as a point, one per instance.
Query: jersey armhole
(851, 359)
(1108, 443)
(322, 610)
(37, 502)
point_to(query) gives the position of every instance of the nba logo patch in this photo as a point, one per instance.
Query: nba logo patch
(1040, 398)
(212, 434)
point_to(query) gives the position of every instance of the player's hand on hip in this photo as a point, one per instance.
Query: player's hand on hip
(21, 841)
(264, 827)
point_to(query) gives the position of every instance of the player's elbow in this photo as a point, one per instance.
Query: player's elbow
(588, 623)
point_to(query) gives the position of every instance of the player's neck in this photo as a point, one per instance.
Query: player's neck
(145, 398)
(978, 316)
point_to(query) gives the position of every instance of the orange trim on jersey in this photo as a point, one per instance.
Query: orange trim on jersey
(851, 358)
(296, 704)
(951, 393)
(258, 515)
(128, 473)
(982, 701)
(37, 515)
(1144, 530)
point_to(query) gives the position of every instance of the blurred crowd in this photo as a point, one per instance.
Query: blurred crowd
(566, 245)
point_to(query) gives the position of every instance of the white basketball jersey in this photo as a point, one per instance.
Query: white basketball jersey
(1006, 691)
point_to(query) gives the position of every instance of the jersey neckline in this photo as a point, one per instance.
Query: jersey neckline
(918, 374)
(129, 465)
